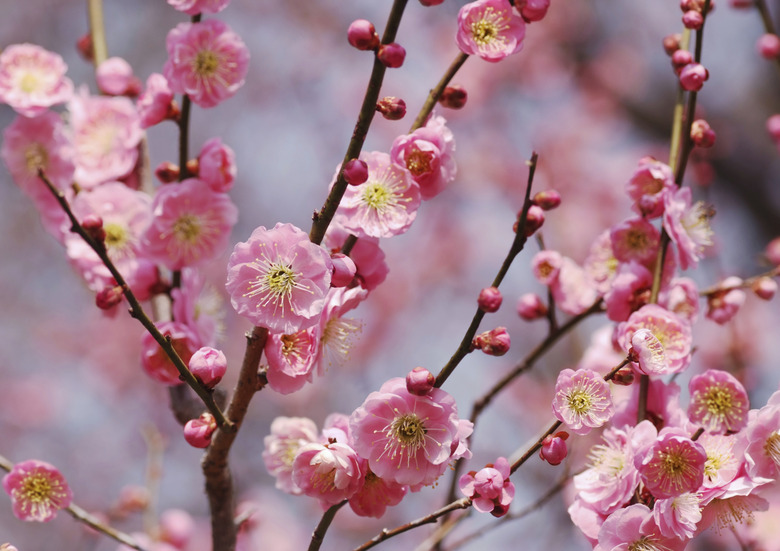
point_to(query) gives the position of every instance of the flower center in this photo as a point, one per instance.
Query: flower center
(280, 280)
(607, 460)
(637, 240)
(419, 162)
(772, 447)
(36, 157)
(206, 63)
(377, 196)
(580, 401)
(29, 83)
(645, 544)
(37, 489)
(718, 401)
(187, 228)
(337, 339)
(409, 431)
(697, 224)
(116, 236)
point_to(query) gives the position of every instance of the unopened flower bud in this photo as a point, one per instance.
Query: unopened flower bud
(208, 365)
(391, 55)
(765, 288)
(495, 342)
(768, 46)
(193, 168)
(108, 297)
(672, 43)
(532, 10)
(355, 172)
(419, 381)
(167, 172)
(534, 220)
(742, 4)
(489, 299)
(773, 127)
(197, 432)
(693, 20)
(391, 108)
(453, 97)
(93, 225)
(702, 135)
(680, 59)
(431, 2)
(531, 307)
(553, 448)
(362, 35)
(692, 77)
(772, 251)
(547, 200)
(624, 377)
(176, 528)
(85, 48)
(344, 270)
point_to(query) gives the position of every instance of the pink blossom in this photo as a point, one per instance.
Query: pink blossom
(582, 400)
(200, 306)
(723, 304)
(208, 365)
(291, 359)
(385, 205)
(176, 527)
(194, 7)
(489, 489)
(676, 517)
(490, 29)
(206, 60)
(191, 224)
(489, 299)
(530, 307)
(106, 134)
(688, 226)
(156, 362)
(331, 472)
(37, 489)
(719, 402)
(546, 266)
(635, 239)
(681, 296)
(630, 290)
(279, 279)
(406, 438)
(693, 76)
(197, 432)
(32, 79)
(115, 77)
(420, 381)
(155, 104)
(673, 465)
(427, 153)
(376, 495)
(648, 352)
(288, 434)
(672, 332)
(573, 290)
(588, 520)
(651, 182)
(725, 462)
(367, 255)
(763, 436)
(601, 264)
(336, 332)
(217, 165)
(634, 528)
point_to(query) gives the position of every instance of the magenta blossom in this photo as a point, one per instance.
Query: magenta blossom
(37, 489)
(673, 334)
(206, 60)
(490, 29)
(719, 402)
(582, 400)
(376, 495)
(489, 489)
(673, 465)
(279, 279)
(331, 472)
(651, 182)
(32, 79)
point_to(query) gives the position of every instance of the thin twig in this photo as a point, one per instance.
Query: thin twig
(319, 533)
(435, 94)
(97, 31)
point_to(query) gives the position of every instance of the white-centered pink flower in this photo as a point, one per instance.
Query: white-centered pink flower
(32, 79)
(688, 226)
(583, 400)
(490, 29)
(673, 333)
(37, 489)
(191, 224)
(279, 279)
(206, 60)
(288, 435)
(384, 205)
(719, 402)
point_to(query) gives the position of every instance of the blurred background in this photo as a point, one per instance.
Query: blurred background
(592, 92)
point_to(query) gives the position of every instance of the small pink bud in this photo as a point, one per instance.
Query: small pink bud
(680, 59)
(772, 251)
(532, 10)
(362, 35)
(547, 200)
(431, 2)
(85, 48)
(108, 297)
(197, 432)
(534, 220)
(419, 381)
(93, 225)
(391, 55)
(624, 376)
(553, 448)
(769, 46)
(489, 299)
(702, 135)
(692, 77)
(167, 172)
(133, 499)
(391, 108)
(672, 43)
(355, 172)
(531, 307)
(453, 97)
(765, 288)
(344, 270)
(495, 342)
(115, 77)
(176, 528)
(773, 127)
(693, 20)
(208, 365)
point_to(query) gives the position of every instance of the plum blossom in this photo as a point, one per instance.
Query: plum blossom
(279, 279)
(32, 79)
(288, 434)
(688, 226)
(763, 436)
(194, 7)
(489, 489)
(673, 334)
(582, 400)
(635, 239)
(633, 528)
(678, 516)
(649, 185)
(206, 60)
(115, 77)
(156, 362)
(200, 306)
(336, 332)
(719, 402)
(630, 290)
(156, 104)
(490, 29)
(601, 264)
(724, 303)
(376, 495)
(673, 465)
(329, 472)
(208, 365)
(37, 489)
(368, 257)
(217, 165)
(291, 359)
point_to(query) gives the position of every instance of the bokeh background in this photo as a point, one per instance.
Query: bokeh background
(592, 92)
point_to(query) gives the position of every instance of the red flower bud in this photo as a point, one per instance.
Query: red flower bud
(355, 172)
(419, 381)
(391, 55)
(453, 97)
(489, 299)
(391, 108)
(362, 35)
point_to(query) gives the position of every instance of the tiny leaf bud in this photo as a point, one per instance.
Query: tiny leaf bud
(672, 43)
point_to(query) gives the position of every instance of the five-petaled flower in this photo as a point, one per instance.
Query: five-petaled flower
(490, 29)
(37, 489)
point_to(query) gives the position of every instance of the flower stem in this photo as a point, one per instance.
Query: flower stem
(97, 31)
(435, 94)
(319, 533)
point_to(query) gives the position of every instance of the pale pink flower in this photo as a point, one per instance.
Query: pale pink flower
(288, 434)
(406, 438)
(206, 60)
(725, 461)
(573, 290)
(291, 359)
(633, 528)
(156, 362)
(279, 279)
(336, 332)
(728, 513)
(688, 226)
(763, 437)
(200, 306)
(106, 134)
(194, 7)
(376, 495)
(673, 465)
(582, 400)
(331, 472)
(588, 520)
(368, 257)
(37, 489)
(384, 205)
(155, 104)
(217, 165)
(649, 185)
(649, 353)
(427, 154)
(32, 79)
(719, 402)
(191, 224)
(722, 305)
(635, 239)
(490, 29)
(601, 264)
(546, 266)
(673, 333)
(489, 489)
(663, 406)
(681, 296)
(177, 527)
(676, 517)
(115, 77)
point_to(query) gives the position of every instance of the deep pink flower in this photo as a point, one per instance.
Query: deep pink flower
(688, 226)
(194, 7)
(554, 449)
(32, 79)
(362, 35)
(279, 279)
(673, 333)
(532, 10)
(630, 290)
(633, 528)
(155, 104)
(650, 183)
(37, 489)
(490, 29)
(291, 359)
(376, 495)
(385, 205)
(197, 432)
(635, 239)
(582, 400)
(156, 362)
(495, 342)
(406, 438)
(368, 256)
(217, 165)
(719, 402)
(206, 60)
(490, 489)
(191, 224)
(288, 434)
(673, 465)
(331, 472)
(427, 153)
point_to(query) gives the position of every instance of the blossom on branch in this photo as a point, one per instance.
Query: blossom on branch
(490, 29)
(32, 79)
(37, 489)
